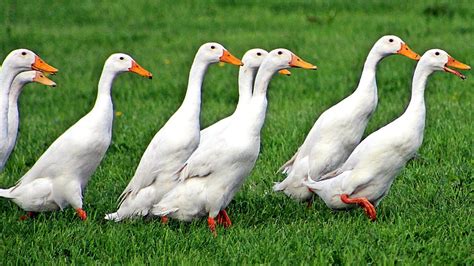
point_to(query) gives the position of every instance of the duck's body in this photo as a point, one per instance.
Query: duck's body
(211, 186)
(216, 171)
(60, 175)
(169, 149)
(365, 178)
(339, 129)
(13, 113)
(372, 167)
(17, 61)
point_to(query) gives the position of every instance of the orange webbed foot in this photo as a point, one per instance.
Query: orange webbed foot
(164, 219)
(82, 214)
(28, 215)
(223, 218)
(212, 225)
(364, 203)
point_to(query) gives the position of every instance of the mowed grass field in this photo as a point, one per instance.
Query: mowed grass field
(426, 218)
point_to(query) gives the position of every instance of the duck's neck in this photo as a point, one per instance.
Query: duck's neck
(246, 79)
(258, 105)
(103, 102)
(15, 90)
(368, 83)
(416, 108)
(6, 79)
(13, 112)
(192, 101)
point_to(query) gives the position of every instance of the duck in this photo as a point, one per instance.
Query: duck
(17, 61)
(172, 144)
(214, 173)
(13, 114)
(339, 129)
(252, 60)
(367, 175)
(60, 175)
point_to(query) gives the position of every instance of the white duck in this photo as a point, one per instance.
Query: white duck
(13, 114)
(365, 178)
(16, 62)
(339, 129)
(60, 175)
(214, 173)
(173, 144)
(252, 60)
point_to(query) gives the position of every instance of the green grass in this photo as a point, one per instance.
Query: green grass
(426, 218)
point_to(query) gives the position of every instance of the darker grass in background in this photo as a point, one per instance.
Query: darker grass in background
(427, 217)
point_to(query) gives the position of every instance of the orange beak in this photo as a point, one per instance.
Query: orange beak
(41, 65)
(227, 57)
(136, 68)
(298, 62)
(42, 79)
(455, 63)
(284, 72)
(406, 51)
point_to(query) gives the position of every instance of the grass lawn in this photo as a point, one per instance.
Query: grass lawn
(426, 218)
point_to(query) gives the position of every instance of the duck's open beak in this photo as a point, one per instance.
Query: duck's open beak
(41, 65)
(227, 57)
(406, 51)
(136, 68)
(455, 63)
(40, 78)
(284, 72)
(298, 62)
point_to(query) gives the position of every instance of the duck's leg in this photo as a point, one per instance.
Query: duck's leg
(164, 219)
(81, 213)
(212, 225)
(223, 218)
(220, 219)
(28, 215)
(364, 203)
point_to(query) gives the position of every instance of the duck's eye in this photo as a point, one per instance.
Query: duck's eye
(259, 54)
(121, 58)
(391, 40)
(280, 52)
(213, 47)
(437, 53)
(23, 53)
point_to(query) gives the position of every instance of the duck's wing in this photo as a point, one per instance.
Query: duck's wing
(204, 161)
(64, 151)
(157, 158)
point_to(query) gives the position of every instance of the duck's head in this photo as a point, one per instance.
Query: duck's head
(120, 63)
(391, 44)
(213, 52)
(253, 58)
(439, 60)
(282, 59)
(24, 60)
(34, 76)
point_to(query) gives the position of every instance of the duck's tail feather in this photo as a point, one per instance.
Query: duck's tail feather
(311, 184)
(278, 186)
(113, 217)
(5, 193)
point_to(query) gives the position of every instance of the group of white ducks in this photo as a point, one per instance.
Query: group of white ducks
(187, 173)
